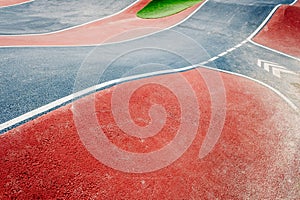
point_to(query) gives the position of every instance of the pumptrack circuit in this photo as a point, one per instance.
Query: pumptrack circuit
(203, 104)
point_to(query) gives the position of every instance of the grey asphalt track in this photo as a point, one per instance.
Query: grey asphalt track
(32, 77)
(244, 61)
(42, 16)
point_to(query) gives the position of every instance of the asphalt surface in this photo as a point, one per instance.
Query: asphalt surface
(99, 31)
(244, 61)
(81, 151)
(32, 77)
(42, 16)
(194, 134)
(282, 30)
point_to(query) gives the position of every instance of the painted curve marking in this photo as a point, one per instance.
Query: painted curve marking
(280, 31)
(100, 31)
(8, 3)
(51, 140)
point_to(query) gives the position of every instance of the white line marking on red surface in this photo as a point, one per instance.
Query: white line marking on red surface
(262, 25)
(52, 32)
(95, 88)
(289, 102)
(264, 22)
(16, 4)
(68, 98)
(275, 51)
(92, 45)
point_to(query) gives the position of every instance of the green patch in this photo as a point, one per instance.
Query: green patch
(163, 8)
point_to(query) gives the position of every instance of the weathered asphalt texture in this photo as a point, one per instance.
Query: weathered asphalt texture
(42, 16)
(33, 77)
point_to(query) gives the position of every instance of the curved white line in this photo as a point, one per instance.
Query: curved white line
(264, 22)
(58, 31)
(89, 90)
(63, 100)
(294, 2)
(17, 4)
(287, 100)
(255, 80)
(267, 19)
(274, 50)
(68, 98)
(260, 28)
(102, 44)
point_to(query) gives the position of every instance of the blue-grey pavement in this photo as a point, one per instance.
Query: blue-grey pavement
(244, 60)
(42, 16)
(32, 77)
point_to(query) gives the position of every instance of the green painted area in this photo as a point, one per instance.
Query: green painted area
(163, 8)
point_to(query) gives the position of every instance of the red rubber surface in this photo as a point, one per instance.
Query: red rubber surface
(101, 31)
(4, 3)
(282, 32)
(255, 157)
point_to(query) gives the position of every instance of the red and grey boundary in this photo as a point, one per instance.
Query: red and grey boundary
(256, 155)
(8, 3)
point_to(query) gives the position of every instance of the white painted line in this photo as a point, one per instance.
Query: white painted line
(251, 36)
(255, 80)
(17, 4)
(204, 63)
(223, 54)
(238, 46)
(267, 64)
(71, 97)
(294, 2)
(68, 98)
(287, 100)
(259, 62)
(264, 22)
(230, 50)
(102, 44)
(116, 81)
(213, 58)
(262, 25)
(277, 72)
(73, 27)
(273, 50)
(274, 67)
(61, 101)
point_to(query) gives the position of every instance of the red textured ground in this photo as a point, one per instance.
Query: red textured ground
(282, 32)
(4, 3)
(102, 30)
(255, 157)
